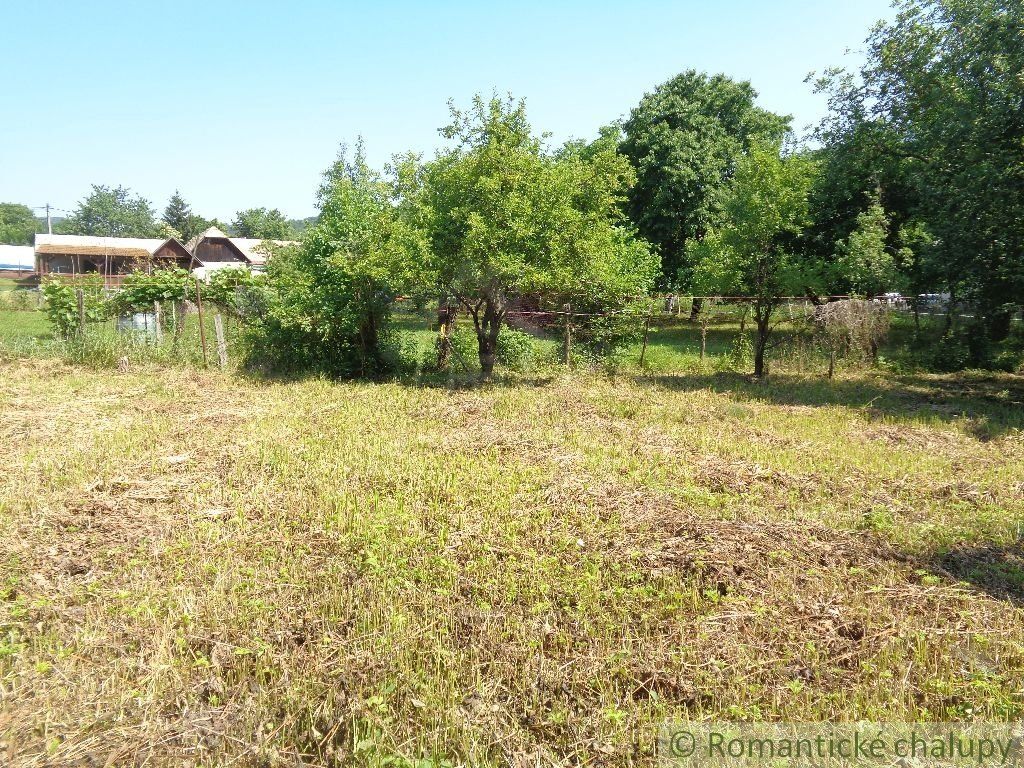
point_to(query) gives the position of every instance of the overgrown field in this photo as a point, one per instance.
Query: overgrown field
(200, 569)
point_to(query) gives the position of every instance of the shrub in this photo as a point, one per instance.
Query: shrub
(516, 349)
(61, 307)
(325, 306)
(140, 290)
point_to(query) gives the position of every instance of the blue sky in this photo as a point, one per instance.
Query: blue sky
(244, 104)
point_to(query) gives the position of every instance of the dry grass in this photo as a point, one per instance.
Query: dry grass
(201, 570)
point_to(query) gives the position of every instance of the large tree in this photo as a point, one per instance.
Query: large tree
(178, 216)
(112, 212)
(944, 85)
(504, 217)
(684, 140)
(756, 251)
(17, 224)
(262, 223)
(331, 296)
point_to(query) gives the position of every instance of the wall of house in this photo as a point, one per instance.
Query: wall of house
(216, 250)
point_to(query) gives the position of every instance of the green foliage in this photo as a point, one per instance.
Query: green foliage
(237, 290)
(263, 224)
(112, 212)
(328, 301)
(61, 303)
(864, 260)
(17, 224)
(941, 91)
(516, 349)
(755, 252)
(140, 289)
(179, 217)
(684, 140)
(505, 218)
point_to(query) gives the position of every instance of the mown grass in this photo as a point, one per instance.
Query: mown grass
(209, 570)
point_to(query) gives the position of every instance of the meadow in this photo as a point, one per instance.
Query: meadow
(206, 567)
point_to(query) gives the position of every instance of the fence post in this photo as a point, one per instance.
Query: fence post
(157, 315)
(222, 344)
(202, 327)
(647, 329)
(80, 299)
(567, 341)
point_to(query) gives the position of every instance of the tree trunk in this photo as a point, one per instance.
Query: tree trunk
(488, 315)
(762, 317)
(997, 324)
(695, 309)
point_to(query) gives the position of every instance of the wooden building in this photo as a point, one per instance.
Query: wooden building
(111, 257)
(115, 257)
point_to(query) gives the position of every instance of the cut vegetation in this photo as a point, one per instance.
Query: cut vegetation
(201, 572)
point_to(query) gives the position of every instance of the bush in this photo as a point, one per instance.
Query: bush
(61, 307)
(325, 306)
(516, 349)
(140, 290)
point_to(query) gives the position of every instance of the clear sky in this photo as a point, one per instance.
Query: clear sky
(244, 104)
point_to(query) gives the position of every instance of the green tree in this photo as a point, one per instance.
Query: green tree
(17, 224)
(262, 223)
(864, 261)
(330, 298)
(684, 140)
(112, 212)
(505, 218)
(178, 216)
(944, 80)
(755, 252)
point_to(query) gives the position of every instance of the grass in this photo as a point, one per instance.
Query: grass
(207, 570)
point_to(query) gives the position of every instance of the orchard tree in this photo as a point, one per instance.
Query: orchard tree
(504, 218)
(684, 140)
(944, 80)
(112, 212)
(864, 261)
(263, 224)
(330, 297)
(17, 224)
(755, 252)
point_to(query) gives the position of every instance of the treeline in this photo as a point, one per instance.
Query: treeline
(913, 184)
(116, 212)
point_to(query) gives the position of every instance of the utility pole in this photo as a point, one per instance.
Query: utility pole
(49, 225)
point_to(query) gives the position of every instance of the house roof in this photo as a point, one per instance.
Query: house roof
(253, 250)
(256, 250)
(89, 245)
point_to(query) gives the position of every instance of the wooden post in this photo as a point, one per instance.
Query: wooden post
(831, 362)
(567, 341)
(202, 328)
(80, 299)
(157, 315)
(643, 349)
(222, 344)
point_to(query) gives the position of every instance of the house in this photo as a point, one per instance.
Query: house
(115, 257)
(215, 250)
(112, 257)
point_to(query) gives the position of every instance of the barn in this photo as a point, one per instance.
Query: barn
(111, 257)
